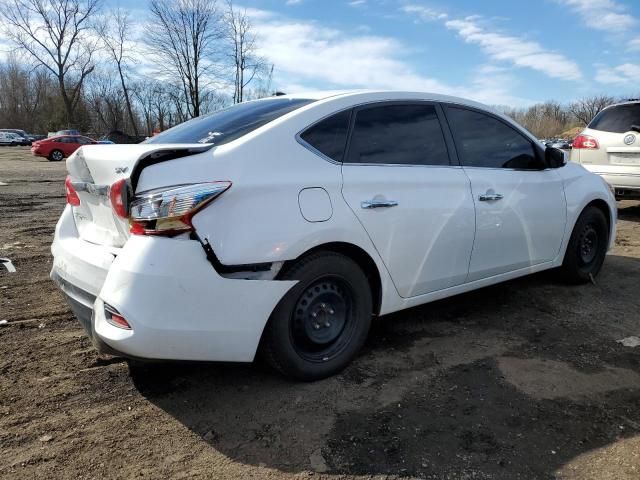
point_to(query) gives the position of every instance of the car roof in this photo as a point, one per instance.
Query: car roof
(624, 102)
(386, 95)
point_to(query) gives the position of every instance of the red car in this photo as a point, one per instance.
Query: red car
(57, 148)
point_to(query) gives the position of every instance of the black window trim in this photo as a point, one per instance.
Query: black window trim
(312, 149)
(537, 148)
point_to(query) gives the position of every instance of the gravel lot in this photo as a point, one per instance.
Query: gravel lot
(520, 380)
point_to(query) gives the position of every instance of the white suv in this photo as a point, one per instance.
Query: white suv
(283, 224)
(610, 147)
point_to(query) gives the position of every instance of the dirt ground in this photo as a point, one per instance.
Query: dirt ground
(523, 380)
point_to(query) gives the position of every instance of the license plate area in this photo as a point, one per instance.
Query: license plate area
(620, 158)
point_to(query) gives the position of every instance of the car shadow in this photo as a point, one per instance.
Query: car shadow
(629, 210)
(466, 387)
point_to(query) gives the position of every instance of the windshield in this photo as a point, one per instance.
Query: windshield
(618, 119)
(230, 123)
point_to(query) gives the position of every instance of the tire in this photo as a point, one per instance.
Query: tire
(587, 247)
(55, 156)
(320, 325)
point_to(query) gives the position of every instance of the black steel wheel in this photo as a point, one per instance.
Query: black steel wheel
(587, 246)
(322, 322)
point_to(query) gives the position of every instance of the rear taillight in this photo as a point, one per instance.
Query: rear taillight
(72, 195)
(118, 197)
(168, 211)
(585, 142)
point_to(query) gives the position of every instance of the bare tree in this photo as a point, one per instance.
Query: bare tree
(247, 64)
(586, 108)
(114, 32)
(27, 96)
(182, 39)
(55, 34)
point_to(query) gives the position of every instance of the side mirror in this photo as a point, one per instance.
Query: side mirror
(554, 157)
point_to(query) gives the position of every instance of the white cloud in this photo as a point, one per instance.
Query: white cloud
(293, 2)
(516, 50)
(634, 44)
(625, 74)
(357, 3)
(424, 13)
(310, 56)
(605, 15)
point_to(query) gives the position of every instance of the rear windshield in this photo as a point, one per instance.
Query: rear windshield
(618, 119)
(230, 123)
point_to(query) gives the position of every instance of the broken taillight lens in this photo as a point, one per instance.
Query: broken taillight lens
(168, 211)
(70, 191)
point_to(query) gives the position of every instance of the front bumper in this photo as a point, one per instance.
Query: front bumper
(178, 306)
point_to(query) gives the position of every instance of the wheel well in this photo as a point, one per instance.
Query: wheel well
(604, 208)
(358, 255)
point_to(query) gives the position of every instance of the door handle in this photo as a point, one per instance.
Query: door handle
(378, 204)
(489, 197)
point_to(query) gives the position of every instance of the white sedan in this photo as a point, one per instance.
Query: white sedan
(283, 225)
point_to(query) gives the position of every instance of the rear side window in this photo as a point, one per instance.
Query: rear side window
(618, 119)
(485, 141)
(408, 134)
(329, 136)
(230, 123)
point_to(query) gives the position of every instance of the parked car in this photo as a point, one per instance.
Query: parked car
(105, 142)
(561, 144)
(21, 134)
(610, 147)
(9, 138)
(283, 224)
(57, 148)
(67, 132)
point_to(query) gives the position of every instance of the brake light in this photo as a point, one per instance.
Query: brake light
(168, 211)
(585, 142)
(71, 194)
(118, 196)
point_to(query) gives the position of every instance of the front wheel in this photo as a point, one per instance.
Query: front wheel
(323, 321)
(587, 246)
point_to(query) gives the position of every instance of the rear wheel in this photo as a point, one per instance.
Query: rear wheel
(322, 322)
(587, 246)
(56, 156)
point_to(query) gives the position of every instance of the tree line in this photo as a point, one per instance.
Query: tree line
(554, 119)
(76, 64)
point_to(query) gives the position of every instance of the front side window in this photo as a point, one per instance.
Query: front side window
(485, 141)
(230, 123)
(329, 136)
(399, 134)
(618, 119)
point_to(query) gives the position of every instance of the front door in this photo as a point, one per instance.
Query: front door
(520, 203)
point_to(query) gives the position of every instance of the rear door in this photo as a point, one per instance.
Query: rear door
(520, 204)
(415, 204)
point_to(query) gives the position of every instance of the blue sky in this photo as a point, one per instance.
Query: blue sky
(495, 51)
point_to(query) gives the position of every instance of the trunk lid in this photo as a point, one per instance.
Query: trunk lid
(93, 169)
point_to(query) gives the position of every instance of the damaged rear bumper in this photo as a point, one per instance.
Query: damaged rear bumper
(178, 306)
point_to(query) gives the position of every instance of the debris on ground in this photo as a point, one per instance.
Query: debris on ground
(8, 265)
(632, 341)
